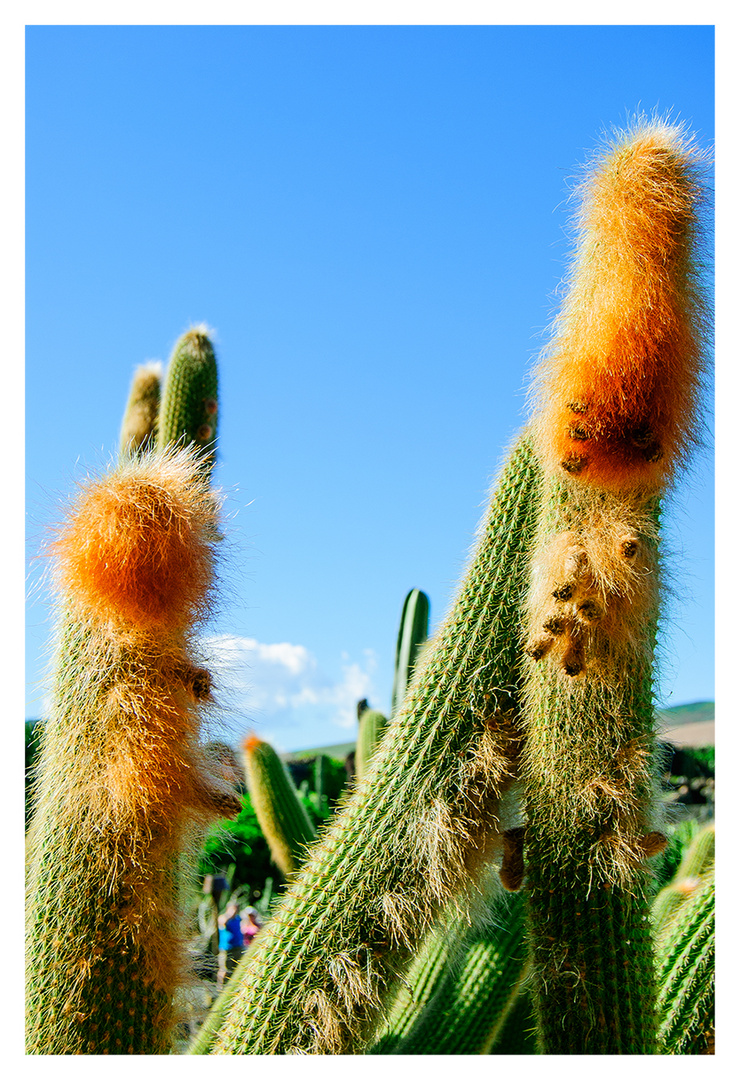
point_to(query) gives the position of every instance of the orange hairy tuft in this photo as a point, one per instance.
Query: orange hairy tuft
(617, 388)
(138, 545)
(251, 742)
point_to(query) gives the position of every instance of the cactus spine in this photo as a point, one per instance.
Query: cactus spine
(281, 814)
(417, 826)
(616, 395)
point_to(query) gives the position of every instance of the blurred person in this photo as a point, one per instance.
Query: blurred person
(230, 942)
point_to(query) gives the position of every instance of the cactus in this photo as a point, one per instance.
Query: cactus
(518, 1032)
(139, 426)
(616, 396)
(188, 411)
(697, 863)
(473, 978)
(371, 727)
(686, 976)
(122, 784)
(412, 633)
(418, 825)
(281, 814)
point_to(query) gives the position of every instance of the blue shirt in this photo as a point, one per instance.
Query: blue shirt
(230, 936)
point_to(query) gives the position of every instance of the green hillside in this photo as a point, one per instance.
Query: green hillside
(693, 713)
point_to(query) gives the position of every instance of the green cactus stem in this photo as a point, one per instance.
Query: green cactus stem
(281, 815)
(188, 410)
(369, 733)
(123, 787)
(412, 633)
(472, 990)
(417, 827)
(696, 864)
(589, 794)
(518, 1033)
(139, 426)
(686, 976)
(410, 994)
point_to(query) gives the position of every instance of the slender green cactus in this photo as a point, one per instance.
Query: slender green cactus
(122, 784)
(320, 797)
(416, 828)
(188, 410)
(281, 814)
(370, 730)
(616, 402)
(698, 859)
(686, 976)
(518, 1032)
(139, 426)
(696, 864)
(412, 633)
(472, 978)
(411, 993)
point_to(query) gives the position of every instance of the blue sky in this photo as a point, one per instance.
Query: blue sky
(374, 220)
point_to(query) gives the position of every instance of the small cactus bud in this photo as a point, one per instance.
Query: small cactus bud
(590, 611)
(512, 867)
(574, 660)
(539, 648)
(574, 463)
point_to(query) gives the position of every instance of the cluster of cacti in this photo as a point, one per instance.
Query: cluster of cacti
(538, 685)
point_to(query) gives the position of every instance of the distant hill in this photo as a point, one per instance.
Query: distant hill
(694, 713)
(688, 725)
(336, 750)
(676, 716)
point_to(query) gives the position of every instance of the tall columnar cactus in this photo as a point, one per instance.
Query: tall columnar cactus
(418, 825)
(123, 784)
(412, 633)
(616, 414)
(188, 411)
(139, 426)
(371, 726)
(282, 816)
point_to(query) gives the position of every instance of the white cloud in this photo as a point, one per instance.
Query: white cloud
(279, 691)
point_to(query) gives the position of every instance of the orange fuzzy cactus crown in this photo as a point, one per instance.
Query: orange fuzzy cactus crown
(616, 391)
